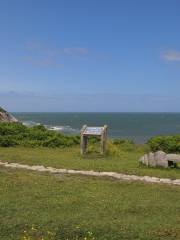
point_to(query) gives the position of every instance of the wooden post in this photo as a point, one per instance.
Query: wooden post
(103, 139)
(102, 144)
(83, 141)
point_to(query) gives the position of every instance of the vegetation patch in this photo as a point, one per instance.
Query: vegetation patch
(168, 144)
(39, 146)
(16, 134)
(39, 206)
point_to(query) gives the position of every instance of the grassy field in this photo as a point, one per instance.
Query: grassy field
(122, 161)
(63, 207)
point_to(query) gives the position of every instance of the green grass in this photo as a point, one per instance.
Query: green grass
(123, 161)
(71, 206)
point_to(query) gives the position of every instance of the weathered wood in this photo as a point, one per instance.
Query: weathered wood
(104, 139)
(83, 141)
(93, 131)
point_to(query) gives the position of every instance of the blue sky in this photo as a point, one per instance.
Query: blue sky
(90, 55)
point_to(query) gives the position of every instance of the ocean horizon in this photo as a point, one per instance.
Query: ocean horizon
(137, 126)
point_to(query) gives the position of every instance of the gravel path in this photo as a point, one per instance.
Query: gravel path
(92, 173)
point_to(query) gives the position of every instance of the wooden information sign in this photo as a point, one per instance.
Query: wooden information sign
(96, 132)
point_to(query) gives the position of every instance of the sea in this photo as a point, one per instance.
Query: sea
(138, 127)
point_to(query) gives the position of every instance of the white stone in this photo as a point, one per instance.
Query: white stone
(176, 182)
(164, 180)
(151, 160)
(173, 157)
(161, 159)
(92, 173)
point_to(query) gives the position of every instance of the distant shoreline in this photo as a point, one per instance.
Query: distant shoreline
(99, 112)
(138, 127)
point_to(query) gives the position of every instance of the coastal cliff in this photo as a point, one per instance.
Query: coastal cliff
(6, 117)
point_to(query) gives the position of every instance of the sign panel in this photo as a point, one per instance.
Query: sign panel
(93, 131)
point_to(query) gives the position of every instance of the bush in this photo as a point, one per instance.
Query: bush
(12, 128)
(168, 144)
(7, 141)
(12, 134)
(39, 127)
(54, 142)
(122, 141)
(124, 144)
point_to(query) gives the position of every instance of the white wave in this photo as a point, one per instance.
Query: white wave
(64, 129)
(30, 123)
(56, 128)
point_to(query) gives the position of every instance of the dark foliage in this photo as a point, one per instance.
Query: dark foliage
(13, 134)
(168, 144)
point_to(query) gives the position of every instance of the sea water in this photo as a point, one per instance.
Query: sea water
(136, 126)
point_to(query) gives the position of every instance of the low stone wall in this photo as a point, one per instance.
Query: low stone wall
(119, 176)
(159, 159)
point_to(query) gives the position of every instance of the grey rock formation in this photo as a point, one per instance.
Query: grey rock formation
(6, 117)
(159, 159)
(151, 159)
(175, 157)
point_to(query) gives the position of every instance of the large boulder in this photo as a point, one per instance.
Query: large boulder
(159, 159)
(151, 160)
(6, 117)
(173, 157)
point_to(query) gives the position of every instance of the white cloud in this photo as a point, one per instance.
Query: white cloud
(69, 51)
(41, 55)
(49, 57)
(171, 55)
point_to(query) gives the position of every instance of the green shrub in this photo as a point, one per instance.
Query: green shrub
(7, 141)
(12, 134)
(39, 127)
(168, 144)
(12, 128)
(122, 141)
(124, 144)
(76, 139)
(93, 140)
(54, 142)
(30, 143)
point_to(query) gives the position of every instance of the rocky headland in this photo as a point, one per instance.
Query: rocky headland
(6, 117)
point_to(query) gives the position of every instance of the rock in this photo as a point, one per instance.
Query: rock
(146, 162)
(148, 179)
(6, 117)
(161, 159)
(151, 160)
(92, 173)
(164, 180)
(176, 182)
(173, 157)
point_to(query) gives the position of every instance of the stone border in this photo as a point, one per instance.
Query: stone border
(115, 175)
